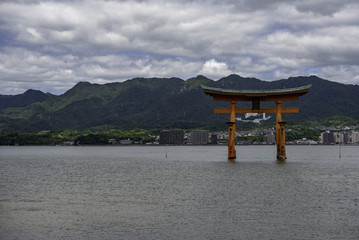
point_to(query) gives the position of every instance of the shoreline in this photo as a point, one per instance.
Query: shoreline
(169, 145)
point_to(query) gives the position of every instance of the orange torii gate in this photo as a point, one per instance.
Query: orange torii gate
(256, 96)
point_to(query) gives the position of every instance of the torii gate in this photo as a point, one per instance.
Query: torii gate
(256, 96)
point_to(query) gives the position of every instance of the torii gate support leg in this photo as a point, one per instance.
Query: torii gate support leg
(232, 132)
(281, 154)
(231, 141)
(280, 133)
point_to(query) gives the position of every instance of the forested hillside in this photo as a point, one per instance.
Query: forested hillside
(151, 103)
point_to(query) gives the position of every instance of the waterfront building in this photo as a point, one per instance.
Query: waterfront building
(269, 139)
(125, 141)
(214, 138)
(355, 137)
(339, 137)
(199, 137)
(328, 138)
(346, 138)
(172, 137)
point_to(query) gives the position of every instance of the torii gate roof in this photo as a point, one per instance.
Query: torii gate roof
(286, 94)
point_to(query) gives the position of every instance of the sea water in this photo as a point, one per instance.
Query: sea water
(179, 192)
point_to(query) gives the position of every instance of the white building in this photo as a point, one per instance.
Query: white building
(355, 137)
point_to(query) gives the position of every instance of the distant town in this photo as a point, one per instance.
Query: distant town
(348, 135)
(328, 136)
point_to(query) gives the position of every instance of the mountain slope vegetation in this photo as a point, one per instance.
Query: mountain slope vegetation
(151, 103)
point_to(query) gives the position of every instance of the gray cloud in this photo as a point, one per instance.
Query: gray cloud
(51, 45)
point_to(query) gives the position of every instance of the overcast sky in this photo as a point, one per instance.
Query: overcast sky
(51, 45)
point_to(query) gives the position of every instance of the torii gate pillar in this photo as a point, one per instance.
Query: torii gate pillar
(280, 132)
(281, 155)
(232, 132)
(231, 141)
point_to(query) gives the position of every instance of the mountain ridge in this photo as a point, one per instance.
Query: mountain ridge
(166, 103)
(23, 99)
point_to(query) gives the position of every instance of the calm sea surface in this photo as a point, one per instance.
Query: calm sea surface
(136, 192)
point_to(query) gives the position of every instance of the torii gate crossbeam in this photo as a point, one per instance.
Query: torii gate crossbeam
(257, 96)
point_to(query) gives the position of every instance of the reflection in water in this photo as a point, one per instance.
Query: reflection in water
(194, 193)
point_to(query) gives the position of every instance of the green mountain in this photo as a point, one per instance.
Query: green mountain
(22, 100)
(161, 103)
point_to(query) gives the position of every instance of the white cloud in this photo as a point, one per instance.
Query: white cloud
(214, 69)
(346, 74)
(22, 69)
(53, 44)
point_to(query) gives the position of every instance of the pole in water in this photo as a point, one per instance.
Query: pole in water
(340, 151)
(340, 148)
(166, 150)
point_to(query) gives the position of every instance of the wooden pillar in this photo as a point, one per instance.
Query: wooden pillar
(232, 132)
(281, 154)
(278, 109)
(231, 141)
(233, 112)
